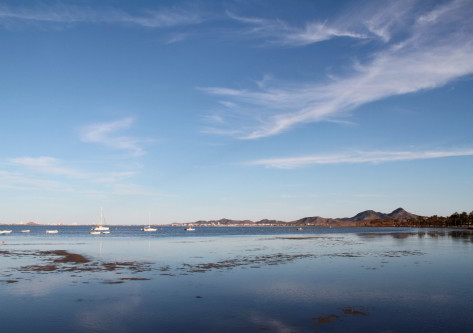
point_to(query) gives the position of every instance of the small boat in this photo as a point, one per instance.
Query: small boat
(101, 228)
(99, 232)
(25, 230)
(148, 228)
(189, 229)
(52, 231)
(299, 229)
(4, 232)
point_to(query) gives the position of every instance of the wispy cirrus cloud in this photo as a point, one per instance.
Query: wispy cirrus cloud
(113, 177)
(18, 181)
(61, 13)
(105, 134)
(433, 48)
(278, 32)
(357, 157)
(53, 174)
(52, 166)
(47, 165)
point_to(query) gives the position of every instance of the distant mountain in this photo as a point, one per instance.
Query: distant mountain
(370, 215)
(363, 217)
(367, 215)
(222, 222)
(313, 220)
(401, 214)
(266, 222)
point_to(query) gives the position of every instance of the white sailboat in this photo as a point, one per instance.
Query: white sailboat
(101, 228)
(148, 228)
(189, 228)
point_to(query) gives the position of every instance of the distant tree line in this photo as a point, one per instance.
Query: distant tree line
(455, 220)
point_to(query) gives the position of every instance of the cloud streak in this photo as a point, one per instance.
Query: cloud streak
(17, 181)
(277, 32)
(48, 165)
(70, 14)
(105, 134)
(39, 169)
(435, 49)
(52, 166)
(357, 158)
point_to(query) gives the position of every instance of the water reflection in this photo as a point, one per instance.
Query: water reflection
(325, 282)
(456, 235)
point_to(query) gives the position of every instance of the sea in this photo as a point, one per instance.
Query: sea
(236, 279)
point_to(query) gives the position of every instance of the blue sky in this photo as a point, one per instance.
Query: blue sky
(239, 109)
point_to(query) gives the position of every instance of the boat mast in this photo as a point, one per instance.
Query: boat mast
(102, 220)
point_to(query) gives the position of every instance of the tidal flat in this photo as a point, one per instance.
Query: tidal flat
(238, 280)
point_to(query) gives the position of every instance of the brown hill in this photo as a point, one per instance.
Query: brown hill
(398, 214)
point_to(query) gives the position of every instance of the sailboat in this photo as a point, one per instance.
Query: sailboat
(148, 228)
(100, 229)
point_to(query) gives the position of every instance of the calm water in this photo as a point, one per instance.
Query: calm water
(237, 280)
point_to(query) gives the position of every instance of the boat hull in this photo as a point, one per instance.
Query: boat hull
(101, 228)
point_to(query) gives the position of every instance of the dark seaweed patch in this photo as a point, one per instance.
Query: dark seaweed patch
(134, 279)
(112, 282)
(10, 281)
(254, 262)
(326, 319)
(350, 311)
(64, 261)
(66, 257)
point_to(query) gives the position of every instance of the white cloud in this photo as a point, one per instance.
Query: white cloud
(104, 133)
(49, 165)
(157, 19)
(278, 32)
(219, 131)
(357, 157)
(114, 177)
(434, 48)
(384, 19)
(214, 118)
(17, 181)
(69, 14)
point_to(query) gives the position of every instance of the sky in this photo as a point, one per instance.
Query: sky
(201, 110)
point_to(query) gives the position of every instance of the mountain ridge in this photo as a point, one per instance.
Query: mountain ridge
(398, 214)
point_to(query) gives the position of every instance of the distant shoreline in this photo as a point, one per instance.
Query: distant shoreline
(183, 225)
(398, 218)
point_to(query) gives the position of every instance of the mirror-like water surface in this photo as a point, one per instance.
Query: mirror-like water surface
(237, 280)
